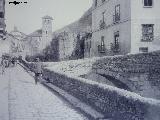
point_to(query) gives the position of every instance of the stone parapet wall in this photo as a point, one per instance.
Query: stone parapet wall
(140, 72)
(112, 102)
(137, 63)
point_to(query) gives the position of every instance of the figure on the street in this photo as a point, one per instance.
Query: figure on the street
(3, 65)
(38, 70)
(13, 61)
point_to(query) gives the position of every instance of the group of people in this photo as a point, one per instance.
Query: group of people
(7, 62)
(38, 70)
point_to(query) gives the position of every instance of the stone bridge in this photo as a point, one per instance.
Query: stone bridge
(138, 73)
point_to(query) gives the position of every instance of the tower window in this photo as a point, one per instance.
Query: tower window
(1, 15)
(46, 32)
(103, 1)
(148, 3)
(1, 31)
(96, 2)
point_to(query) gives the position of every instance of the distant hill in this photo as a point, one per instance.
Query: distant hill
(82, 25)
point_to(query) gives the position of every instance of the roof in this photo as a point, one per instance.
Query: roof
(47, 17)
(37, 33)
(17, 34)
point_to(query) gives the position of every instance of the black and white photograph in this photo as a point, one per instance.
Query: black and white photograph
(79, 59)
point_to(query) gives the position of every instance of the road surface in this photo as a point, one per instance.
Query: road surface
(21, 99)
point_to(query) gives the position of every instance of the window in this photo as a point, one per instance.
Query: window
(116, 38)
(102, 22)
(1, 31)
(116, 17)
(148, 3)
(103, 1)
(147, 32)
(143, 49)
(1, 15)
(115, 45)
(46, 32)
(103, 13)
(101, 48)
(102, 41)
(96, 3)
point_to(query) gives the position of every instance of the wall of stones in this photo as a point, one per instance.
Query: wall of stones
(140, 72)
(113, 102)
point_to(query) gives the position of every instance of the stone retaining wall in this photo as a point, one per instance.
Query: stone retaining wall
(112, 102)
(140, 72)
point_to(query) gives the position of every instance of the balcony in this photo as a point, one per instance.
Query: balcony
(101, 49)
(102, 25)
(115, 47)
(147, 38)
(116, 19)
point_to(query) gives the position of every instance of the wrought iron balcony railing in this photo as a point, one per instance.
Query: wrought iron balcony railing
(102, 25)
(115, 47)
(101, 49)
(116, 18)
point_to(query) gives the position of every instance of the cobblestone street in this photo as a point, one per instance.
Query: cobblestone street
(27, 101)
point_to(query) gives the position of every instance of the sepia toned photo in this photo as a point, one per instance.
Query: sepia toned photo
(80, 60)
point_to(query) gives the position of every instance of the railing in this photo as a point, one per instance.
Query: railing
(147, 38)
(116, 18)
(101, 49)
(115, 47)
(102, 25)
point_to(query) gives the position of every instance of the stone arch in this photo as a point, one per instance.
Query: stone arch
(116, 82)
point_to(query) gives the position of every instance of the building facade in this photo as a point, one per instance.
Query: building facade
(125, 26)
(32, 42)
(2, 18)
(38, 40)
(16, 39)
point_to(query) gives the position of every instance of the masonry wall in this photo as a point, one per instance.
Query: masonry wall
(140, 72)
(112, 102)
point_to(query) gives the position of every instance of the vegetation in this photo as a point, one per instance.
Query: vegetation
(49, 54)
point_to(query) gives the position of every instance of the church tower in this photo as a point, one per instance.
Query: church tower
(2, 19)
(46, 32)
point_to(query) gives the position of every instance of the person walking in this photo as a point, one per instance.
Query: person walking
(38, 70)
(3, 65)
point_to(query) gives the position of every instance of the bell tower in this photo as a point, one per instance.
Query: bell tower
(46, 31)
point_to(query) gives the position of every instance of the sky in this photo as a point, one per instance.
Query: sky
(28, 17)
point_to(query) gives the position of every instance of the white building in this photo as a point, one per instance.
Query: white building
(16, 42)
(125, 26)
